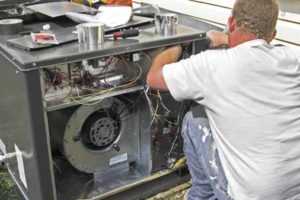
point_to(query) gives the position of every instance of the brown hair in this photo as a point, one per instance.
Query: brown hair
(258, 17)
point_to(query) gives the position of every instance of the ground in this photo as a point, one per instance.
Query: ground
(176, 193)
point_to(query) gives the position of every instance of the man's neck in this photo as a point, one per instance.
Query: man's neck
(238, 37)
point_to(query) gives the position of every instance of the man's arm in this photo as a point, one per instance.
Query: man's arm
(217, 39)
(155, 77)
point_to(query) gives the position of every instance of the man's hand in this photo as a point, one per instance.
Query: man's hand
(155, 77)
(217, 39)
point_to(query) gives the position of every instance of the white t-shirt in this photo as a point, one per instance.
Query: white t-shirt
(251, 94)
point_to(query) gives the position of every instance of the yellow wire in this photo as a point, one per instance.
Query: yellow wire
(83, 99)
(145, 54)
(179, 163)
(127, 65)
(162, 103)
(86, 103)
(154, 112)
(154, 116)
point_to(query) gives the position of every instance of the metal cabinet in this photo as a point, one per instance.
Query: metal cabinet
(76, 121)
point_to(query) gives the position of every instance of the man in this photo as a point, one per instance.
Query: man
(249, 146)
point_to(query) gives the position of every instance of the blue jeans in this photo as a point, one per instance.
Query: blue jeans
(208, 178)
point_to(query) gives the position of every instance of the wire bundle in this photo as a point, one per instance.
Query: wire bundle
(85, 88)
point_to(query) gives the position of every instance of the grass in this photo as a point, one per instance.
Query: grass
(8, 189)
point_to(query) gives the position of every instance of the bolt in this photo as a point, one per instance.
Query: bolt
(117, 148)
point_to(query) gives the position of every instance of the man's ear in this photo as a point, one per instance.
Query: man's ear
(274, 34)
(231, 24)
(272, 37)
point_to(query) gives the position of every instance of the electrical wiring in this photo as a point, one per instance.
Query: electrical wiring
(87, 101)
(115, 73)
(173, 143)
(84, 88)
(183, 108)
(84, 99)
(51, 85)
(111, 61)
(127, 65)
(136, 78)
(147, 91)
(161, 101)
(60, 78)
(64, 97)
(154, 117)
(147, 56)
(175, 126)
(129, 106)
(179, 163)
(153, 111)
(178, 128)
(60, 99)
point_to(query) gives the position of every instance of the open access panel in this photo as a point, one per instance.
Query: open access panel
(79, 122)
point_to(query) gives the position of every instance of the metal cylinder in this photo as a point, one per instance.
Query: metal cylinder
(166, 23)
(91, 33)
(11, 26)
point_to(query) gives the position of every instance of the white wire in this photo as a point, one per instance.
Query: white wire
(85, 99)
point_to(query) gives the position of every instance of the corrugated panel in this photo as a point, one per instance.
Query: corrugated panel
(288, 16)
(291, 6)
(285, 13)
(295, 47)
(202, 11)
(289, 32)
(288, 28)
(223, 3)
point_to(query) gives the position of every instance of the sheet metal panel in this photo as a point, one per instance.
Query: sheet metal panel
(74, 51)
(25, 121)
(23, 131)
(56, 9)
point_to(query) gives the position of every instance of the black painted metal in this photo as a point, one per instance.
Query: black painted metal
(22, 123)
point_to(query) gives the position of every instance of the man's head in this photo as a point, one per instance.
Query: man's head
(255, 17)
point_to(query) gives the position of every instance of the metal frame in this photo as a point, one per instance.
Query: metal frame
(25, 122)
